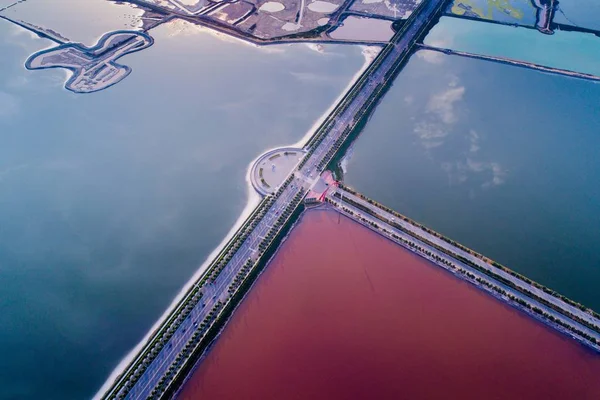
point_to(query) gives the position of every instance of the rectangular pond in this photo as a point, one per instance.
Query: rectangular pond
(572, 51)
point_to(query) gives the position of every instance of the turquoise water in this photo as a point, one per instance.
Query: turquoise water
(109, 202)
(502, 159)
(572, 51)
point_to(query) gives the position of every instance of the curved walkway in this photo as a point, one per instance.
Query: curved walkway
(273, 167)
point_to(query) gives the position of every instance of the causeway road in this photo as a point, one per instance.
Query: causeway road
(138, 383)
(420, 237)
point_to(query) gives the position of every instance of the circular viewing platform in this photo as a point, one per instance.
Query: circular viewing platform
(273, 167)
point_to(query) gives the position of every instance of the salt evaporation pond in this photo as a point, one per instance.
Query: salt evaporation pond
(78, 21)
(109, 202)
(360, 28)
(272, 6)
(322, 6)
(573, 51)
(342, 313)
(499, 158)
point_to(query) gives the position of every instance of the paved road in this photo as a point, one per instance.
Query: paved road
(212, 293)
(401, 45)
(475, 260)
(420, 233)
(366, 91)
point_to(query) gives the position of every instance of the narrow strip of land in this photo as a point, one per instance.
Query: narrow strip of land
(513, 62)
(160, 363)
(166, 358)
(575, 321)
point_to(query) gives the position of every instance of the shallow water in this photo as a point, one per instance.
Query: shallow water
(571, 13)
(342, 313)
(360, 28)
(75, 20)
(322, 6)
(109, 202)
(521, 12)
(573, 51)
(580, 13)
(499, 158)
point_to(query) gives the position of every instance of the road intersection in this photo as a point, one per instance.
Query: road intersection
(150, 378)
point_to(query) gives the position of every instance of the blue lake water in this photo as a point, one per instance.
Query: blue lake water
(499, 158)
(74, 20)
(574, 51)
(109, 202)
(580, 13)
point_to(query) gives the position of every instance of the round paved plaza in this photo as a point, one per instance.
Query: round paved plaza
(273, 167)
